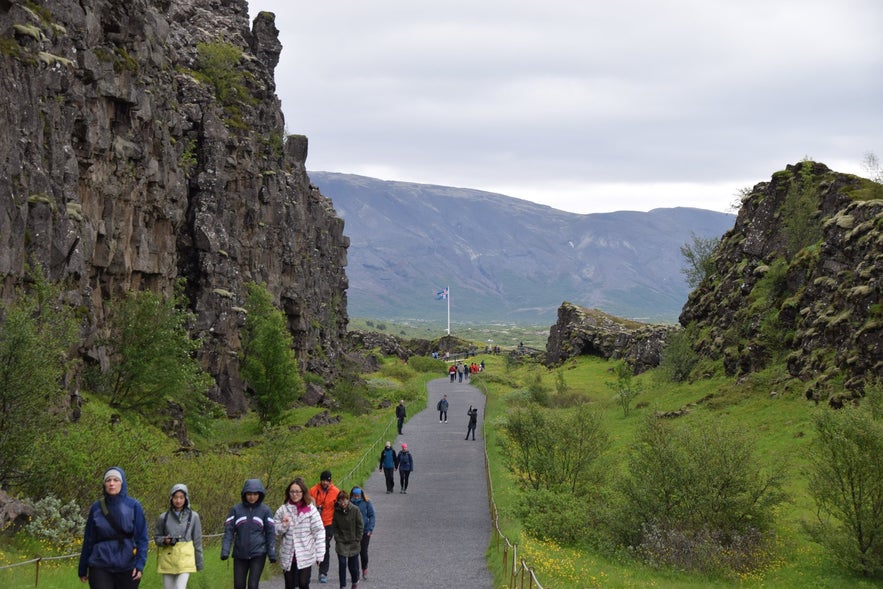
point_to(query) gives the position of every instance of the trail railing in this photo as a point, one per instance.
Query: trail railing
(517, 573)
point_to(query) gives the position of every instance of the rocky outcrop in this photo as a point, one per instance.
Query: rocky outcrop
(127, 162)
(799, 279)
(580, 331)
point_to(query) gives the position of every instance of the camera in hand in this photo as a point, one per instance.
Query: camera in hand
(173, 541)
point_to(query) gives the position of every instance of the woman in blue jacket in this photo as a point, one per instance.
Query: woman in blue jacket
(250, 531)
(115, 541)
(360, 499)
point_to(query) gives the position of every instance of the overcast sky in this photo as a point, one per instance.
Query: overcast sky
(584, 105)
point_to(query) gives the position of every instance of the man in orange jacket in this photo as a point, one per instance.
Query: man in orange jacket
(325, 494)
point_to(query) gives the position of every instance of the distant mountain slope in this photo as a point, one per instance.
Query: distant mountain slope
(506, 259)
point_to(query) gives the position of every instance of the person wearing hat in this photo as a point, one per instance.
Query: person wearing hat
(389, 462)
(406, 465)
(115, 541)
(360, 499)
(250, 532)
(324, 493)
(179, 523)
(348, 528)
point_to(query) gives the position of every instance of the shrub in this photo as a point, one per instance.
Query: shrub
(35, 336)
(59, 524)
(678, 357)
(555, 515)
(846, 481)
(695, 485)
(624, 387)
(553, 449)
(427, 364)
(699, 256)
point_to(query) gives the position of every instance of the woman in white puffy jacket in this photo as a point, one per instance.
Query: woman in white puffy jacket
(303, 535)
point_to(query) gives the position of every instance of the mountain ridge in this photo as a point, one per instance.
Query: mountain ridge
(504, 258)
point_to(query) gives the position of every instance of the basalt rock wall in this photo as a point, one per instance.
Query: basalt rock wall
(127, 162)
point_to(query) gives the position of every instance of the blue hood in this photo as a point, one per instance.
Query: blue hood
(124, 488)
(254, 486)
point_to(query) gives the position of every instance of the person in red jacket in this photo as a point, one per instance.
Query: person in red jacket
(324, 493)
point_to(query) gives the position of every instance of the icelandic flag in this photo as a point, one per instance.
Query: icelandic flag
(442, 294)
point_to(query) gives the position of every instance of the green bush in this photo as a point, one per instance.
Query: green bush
(695, 484)
(427, 364)
(678, 357)
(61, 525)
(553, 449)
(35, 336)
(555, 515)
(846, 481)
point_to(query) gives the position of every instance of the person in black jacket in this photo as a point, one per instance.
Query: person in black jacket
(400, 415)
(250, 530)
(473, 421)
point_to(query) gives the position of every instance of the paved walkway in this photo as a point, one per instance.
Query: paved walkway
(437, 534)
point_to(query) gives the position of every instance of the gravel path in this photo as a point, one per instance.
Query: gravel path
(437, 534)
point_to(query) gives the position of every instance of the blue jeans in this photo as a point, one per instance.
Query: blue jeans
(351, 563)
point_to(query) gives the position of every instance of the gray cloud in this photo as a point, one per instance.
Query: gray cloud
(585, 106)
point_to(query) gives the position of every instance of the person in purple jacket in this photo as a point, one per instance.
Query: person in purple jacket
(115, 541)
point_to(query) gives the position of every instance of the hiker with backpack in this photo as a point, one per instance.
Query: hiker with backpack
(115, 540)
(178, 536)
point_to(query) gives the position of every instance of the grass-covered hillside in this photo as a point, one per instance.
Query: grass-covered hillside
(736, 437)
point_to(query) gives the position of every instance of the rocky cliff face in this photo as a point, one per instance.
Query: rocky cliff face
(127, 161)
(589, 332)
(799, 279)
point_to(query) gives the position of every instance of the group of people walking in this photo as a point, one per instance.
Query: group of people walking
(115, 542)
(390, 461)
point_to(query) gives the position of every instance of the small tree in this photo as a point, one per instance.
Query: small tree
(678, 357)
(153, 357)
(36, 332)
(694, 494)
(699, 256)
(846, 481)
(624, 388)
(553, 450)
(268, 363)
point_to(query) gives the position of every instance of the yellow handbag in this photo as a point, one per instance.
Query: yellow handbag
(180, 558)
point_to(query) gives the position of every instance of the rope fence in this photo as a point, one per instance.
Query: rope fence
(516, 572)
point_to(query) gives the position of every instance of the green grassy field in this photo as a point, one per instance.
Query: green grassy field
(780, 420)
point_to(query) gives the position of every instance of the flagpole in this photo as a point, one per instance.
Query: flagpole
(449, 309)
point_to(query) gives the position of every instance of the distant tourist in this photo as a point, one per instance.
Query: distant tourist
(400, 415)
(406, 466)
(389, 462)
(442, 407)
(473, 421)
